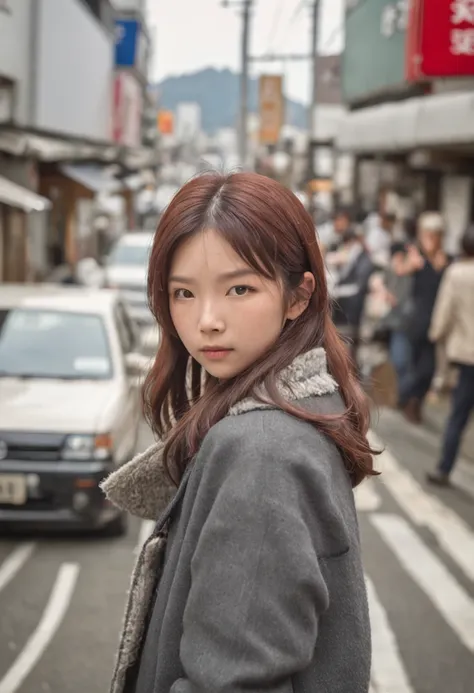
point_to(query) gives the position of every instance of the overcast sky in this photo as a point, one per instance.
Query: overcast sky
(192, 34)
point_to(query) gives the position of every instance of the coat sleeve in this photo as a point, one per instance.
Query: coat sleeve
(444, 310)
(257, 590)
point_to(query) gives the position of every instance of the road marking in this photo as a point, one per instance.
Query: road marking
(146, 528)
(388, 672)
(14, 562)
(366, 497)
(463, 473)
(51, 619)
(453, 534)
(447, 595)
(463, 477)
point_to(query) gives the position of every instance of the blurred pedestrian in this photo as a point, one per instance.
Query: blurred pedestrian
(351, 289)
(425, 262)
(453, 323)
(332, 233)
(398, 290)
(262, 586)
(379, 239)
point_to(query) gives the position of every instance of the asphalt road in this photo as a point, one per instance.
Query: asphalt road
(61, 599)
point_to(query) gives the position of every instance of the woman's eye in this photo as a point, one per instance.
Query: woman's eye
(182, 293)
(240, 290)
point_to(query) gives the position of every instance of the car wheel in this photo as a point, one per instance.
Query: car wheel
(118, 527)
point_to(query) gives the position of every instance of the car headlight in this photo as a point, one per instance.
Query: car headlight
(86, 447)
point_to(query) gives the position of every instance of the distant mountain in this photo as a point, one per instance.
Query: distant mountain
(217, 92)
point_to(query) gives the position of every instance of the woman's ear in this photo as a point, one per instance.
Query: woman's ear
(302, 297)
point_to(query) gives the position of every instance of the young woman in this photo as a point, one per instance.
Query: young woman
(252, 580)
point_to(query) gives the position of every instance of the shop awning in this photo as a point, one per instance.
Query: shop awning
(95, 178)
(140, 157)
(55, 149)
(16, 196)
(440, 120)
(25, 143)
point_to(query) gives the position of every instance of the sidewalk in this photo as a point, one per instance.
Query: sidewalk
(381, 387)
(435, 414)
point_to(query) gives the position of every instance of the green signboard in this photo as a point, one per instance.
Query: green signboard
(374, 54)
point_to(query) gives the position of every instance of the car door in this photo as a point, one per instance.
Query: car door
(129, 413)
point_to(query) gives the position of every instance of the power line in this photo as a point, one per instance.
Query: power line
(296, 12)
(274, 26)
(334, 33)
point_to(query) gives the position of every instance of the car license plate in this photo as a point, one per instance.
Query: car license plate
(13, 490)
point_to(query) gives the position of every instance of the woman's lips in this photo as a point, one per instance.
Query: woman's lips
(216, 353)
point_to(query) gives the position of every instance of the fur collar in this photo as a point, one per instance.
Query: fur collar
(141, 486)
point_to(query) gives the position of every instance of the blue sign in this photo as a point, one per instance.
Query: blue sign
(126, 42)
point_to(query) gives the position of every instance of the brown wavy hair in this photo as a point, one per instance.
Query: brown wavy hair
(269, 228)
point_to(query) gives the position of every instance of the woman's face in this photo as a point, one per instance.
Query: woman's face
(225, 314)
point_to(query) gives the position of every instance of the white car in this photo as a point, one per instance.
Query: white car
(69, 404)
(126, 270)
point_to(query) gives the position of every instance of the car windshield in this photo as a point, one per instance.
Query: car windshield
(130, 254)
(38, 343)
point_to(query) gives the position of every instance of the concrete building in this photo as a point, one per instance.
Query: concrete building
(408, 82)
(57, 59)
(59, 119)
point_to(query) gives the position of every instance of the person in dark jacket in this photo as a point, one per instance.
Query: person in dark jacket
(425, 263)
(350, 290)
(252, 579)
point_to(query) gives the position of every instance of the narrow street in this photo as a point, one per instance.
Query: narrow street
(418, 544)
(62, 602)
(61, 599)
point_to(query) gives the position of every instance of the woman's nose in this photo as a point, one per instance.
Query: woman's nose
(210, 321)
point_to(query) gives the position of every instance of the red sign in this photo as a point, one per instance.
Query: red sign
(440, 39)
(127, 110)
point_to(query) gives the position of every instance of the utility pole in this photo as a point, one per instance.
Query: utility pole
(246, 6)
(314, 83)
(312, 58)
(244, 82)
(246, 59)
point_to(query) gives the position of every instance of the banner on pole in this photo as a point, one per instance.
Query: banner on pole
(271, 108)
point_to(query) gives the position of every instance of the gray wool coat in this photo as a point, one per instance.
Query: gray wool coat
(252, 580)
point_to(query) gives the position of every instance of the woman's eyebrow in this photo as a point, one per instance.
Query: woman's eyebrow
(235, 274)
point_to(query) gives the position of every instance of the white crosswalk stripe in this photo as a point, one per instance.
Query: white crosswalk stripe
(463, 473)
(455, 537)
(367, 497)
(14, 563)
(388, 672)
(427, 569)
(40, 639)
(446, 594)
